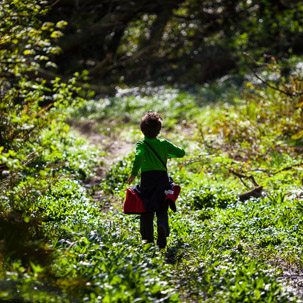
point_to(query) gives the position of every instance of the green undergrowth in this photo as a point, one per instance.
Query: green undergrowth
(129, 105)
(221, 249)
(120, 115)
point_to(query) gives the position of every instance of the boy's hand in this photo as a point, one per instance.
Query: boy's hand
(131, 179)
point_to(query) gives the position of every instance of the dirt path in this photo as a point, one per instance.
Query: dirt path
(114, 149)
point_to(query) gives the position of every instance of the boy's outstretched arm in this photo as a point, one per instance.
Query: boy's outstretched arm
(175, 151)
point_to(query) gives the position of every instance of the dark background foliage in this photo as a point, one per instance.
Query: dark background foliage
(173, 41)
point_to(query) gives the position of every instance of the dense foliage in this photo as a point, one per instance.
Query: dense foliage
(37, 150)
(58, 244)
(180, 41)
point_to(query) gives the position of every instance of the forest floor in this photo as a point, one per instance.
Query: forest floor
(115, 148)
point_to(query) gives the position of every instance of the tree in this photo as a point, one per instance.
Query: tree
(29, 105)
(185, 41)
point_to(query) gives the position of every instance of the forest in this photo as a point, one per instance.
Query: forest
(75, 79)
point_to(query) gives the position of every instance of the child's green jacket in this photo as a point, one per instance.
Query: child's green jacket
(147, 160)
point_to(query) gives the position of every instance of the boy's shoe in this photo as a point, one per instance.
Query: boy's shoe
(161, 241)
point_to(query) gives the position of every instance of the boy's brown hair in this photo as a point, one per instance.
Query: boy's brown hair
(151, 124)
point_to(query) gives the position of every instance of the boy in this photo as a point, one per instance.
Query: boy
(151, 157)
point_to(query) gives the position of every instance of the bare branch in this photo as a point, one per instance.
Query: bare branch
(241, 177)
(256, 193)
(266, 82)
(288, 168)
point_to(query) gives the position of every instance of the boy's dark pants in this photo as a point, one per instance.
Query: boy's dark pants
(151, 190)
(147, 222)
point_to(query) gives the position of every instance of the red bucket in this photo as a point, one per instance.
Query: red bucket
(133, 204)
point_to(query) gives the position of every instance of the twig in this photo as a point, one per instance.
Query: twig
(203, 139)
(288, 168)
(54, 3)
(196, 160)
(256, 192)
(241, 177)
